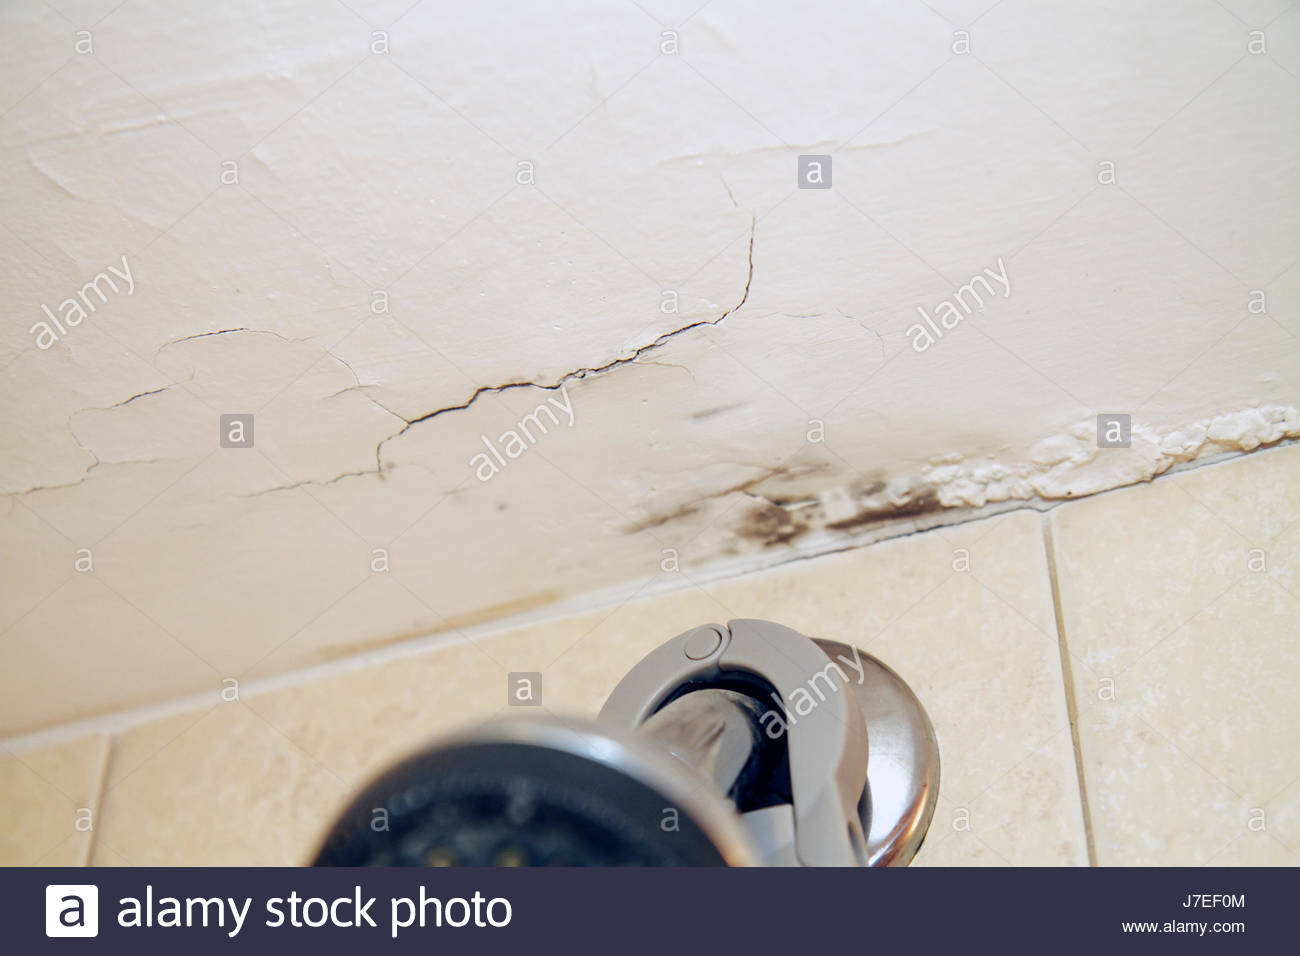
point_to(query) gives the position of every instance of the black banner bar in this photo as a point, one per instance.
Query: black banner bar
(663, 912)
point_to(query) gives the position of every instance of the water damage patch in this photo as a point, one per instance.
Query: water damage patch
(775, 520)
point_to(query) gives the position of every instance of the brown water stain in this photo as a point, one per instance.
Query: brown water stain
(924, 503)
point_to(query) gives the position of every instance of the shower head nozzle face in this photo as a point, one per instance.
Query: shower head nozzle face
(514, 804)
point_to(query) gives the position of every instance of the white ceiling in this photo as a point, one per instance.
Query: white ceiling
(780, 407)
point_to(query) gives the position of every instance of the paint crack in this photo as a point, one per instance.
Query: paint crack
(575, 374)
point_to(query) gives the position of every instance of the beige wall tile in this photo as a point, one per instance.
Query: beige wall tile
(1150, 803)
(1135, 565)
(44, 794)
(1272, 836)
(1185, 662)
(357, 723)
(216, 787)
(1261, 502)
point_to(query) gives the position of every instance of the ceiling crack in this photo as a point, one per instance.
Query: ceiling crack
(308, 481)
(204, 335)
(578, 373)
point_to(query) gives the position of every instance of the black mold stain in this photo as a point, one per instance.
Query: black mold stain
(921, 504)
(775, 521)
(771, 526)
(655, 521)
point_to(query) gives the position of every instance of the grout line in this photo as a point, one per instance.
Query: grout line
(819, 545)
(97, 801)
(1067, 677)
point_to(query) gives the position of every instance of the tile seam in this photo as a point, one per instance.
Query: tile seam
(1067, 678)
(97, 799)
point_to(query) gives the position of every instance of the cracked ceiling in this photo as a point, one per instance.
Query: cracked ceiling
(390, 299)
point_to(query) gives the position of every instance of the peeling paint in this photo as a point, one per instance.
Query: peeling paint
(1071, 464)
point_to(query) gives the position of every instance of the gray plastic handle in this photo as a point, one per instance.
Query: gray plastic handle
(827, 743)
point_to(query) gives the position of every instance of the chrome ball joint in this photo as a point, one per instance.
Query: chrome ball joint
(742, 745)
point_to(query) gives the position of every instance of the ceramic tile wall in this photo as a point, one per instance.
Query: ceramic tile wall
(49, 802)
(1181, 611)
